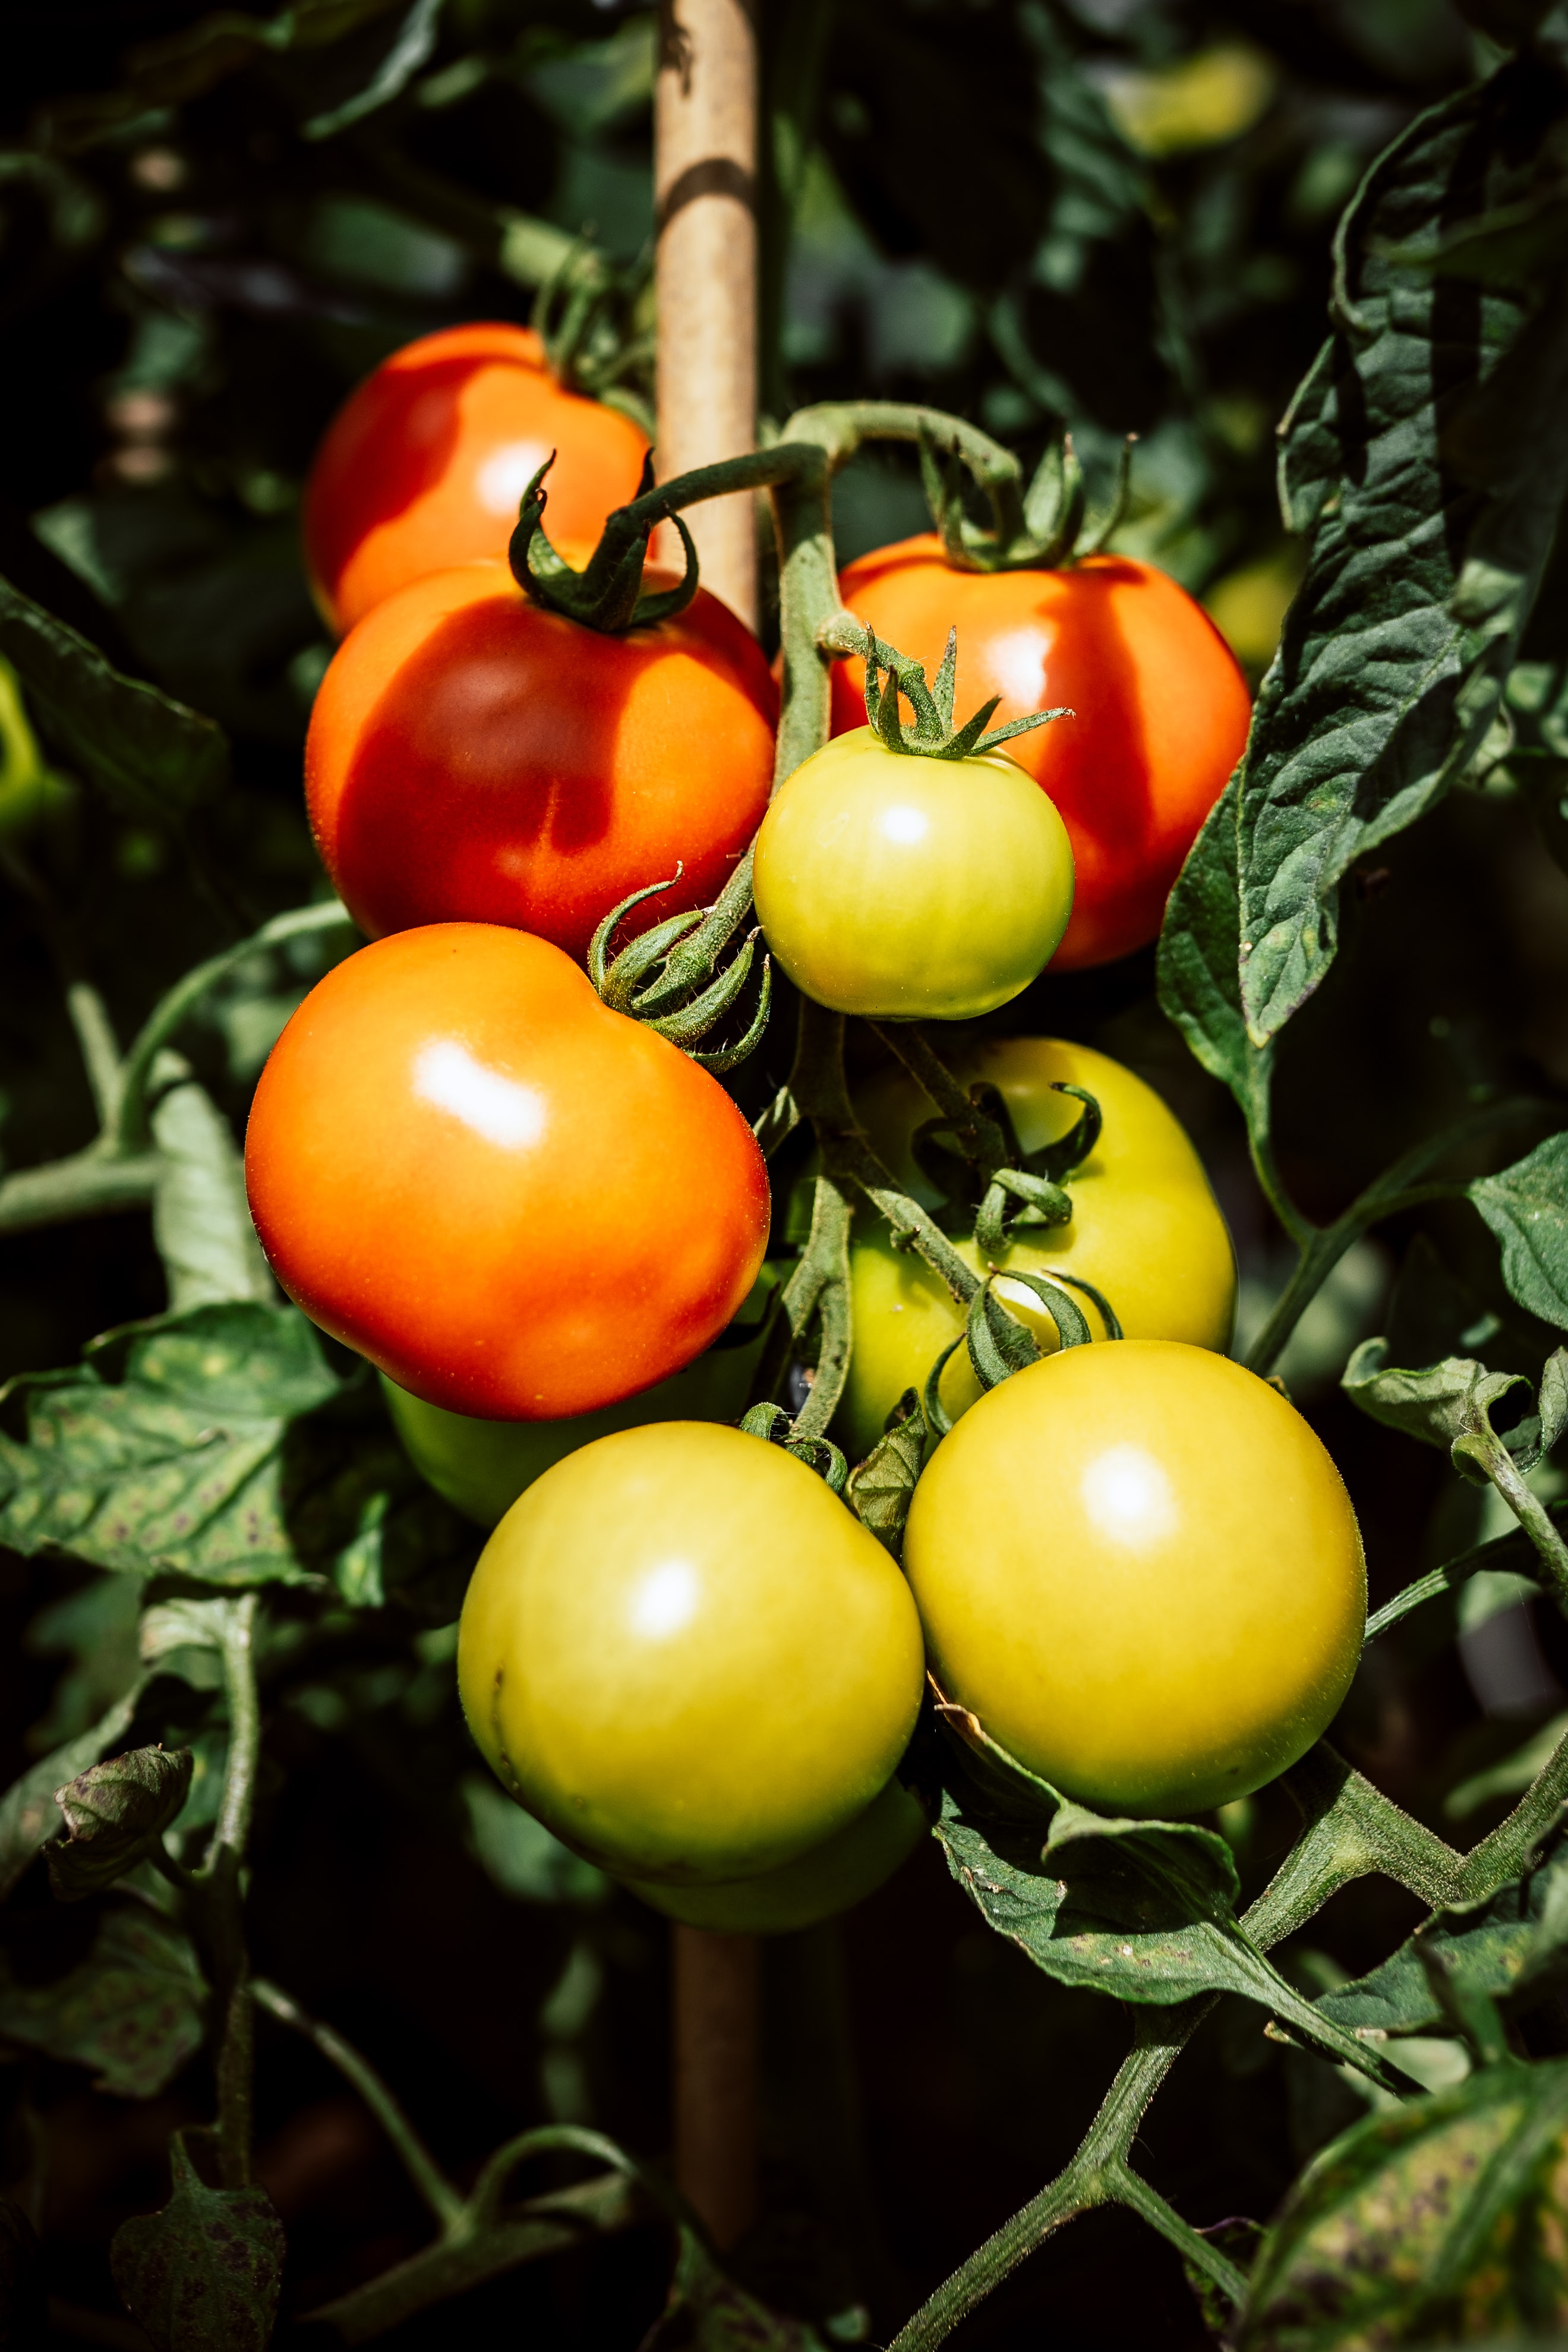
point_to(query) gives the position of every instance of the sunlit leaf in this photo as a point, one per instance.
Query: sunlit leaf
(1527, 1208)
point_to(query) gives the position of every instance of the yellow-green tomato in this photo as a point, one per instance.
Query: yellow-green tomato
(818, 1884)
(1136, 1564)
(480, 1467)
(1146, 1228)
(912, 889)
(686, 1656)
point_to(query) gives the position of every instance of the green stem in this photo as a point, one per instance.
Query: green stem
(445, 2203)
(1505, 1852)
(982, 1140)
(220, 1901)
(1131, 2189)
(1527, 1506)
(91, 1183)
(1501, 1552)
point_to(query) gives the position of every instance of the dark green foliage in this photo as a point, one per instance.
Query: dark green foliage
(203, 2275)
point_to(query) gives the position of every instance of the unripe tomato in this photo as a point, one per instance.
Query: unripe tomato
(480, 1467)
(1146, 1228)
(473, 758)
(687, 1656)
(426, 462)
(1161, 711)
(818, 1884)
(516, 1202)
(911, 889)
(1139, 1568)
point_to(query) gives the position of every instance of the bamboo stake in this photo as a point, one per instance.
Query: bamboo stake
(705, 189)
(705, 195)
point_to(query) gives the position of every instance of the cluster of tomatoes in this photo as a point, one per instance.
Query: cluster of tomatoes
(549, 1226)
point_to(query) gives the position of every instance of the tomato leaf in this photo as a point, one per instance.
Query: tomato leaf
(114, 1812)
(27, 1811)
(203, 2274)
(1142, 1910)
(880, 1487)
(1526, 1207)
(1199, 965)
(148, 754)
(1439, 1403)
(131, 2009)
(1435, 2223)
(201, 1222)
(1430, 520)
(1511, 1943)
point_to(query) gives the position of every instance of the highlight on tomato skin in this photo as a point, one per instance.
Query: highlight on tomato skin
(473, 758)
(1160, 709)
(426, 462)
(516, 1204)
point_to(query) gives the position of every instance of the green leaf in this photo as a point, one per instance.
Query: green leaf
(148, 755)
(27, 1813)
(1440, 1404)
(1436, 2222)
(1513, 1774)
(115, 1813)
(1506, 1943)
(1526, 1207)
(1430, 523)
(131, 2010)
(1142, 1910)
(880, 1487)
(201, 1222)
(1199, 965)
(170, 1458)
(203, 2274)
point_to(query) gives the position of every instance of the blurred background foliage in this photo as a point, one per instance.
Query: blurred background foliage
(1115, 214)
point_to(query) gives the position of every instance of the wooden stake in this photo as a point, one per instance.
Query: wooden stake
(704, 195)
(704, 192)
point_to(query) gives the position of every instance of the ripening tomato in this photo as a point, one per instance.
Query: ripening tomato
(1146, 1227)
(473, 758)
(686, 1656)
(517, 1204)
(908, 887)
(425, 465)
(1138, 1565)
(1161, 711)
(480, 1467)
(818, 1884)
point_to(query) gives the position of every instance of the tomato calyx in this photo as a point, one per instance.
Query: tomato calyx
(607, 594)
(1040, 531)
(933, 735)
(685, 1001)
(589, 315)
(998, 1345)
(774, 1426)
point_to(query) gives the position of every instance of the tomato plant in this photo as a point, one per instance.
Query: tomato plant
(474, 758)
(916, 890)
(1159, 708)
(463, 1165)
(425, 464)
(1138, 1567)
(1145, 1228)
(686, 1656)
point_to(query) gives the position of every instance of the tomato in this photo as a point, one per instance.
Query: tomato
(482, 1466)
(911, 889)
(1146, 1228)
(472, 758)
(1161, 711)
(426, 463)
(1139, 1568)
(515, 1202)
(824, 1880)
(687, 1656)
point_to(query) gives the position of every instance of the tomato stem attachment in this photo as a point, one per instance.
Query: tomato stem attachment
(933, 735)
(675, 1004)
(1040, 530)
(775, 1427)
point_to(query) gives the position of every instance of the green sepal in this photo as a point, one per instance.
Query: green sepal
(608, 594)
(774, 1426)
(1049, 530)
(938, 1420)
(1059, 1160)
(673, 1004)
(932, 735)
(616, 979)
(115, 1814)
(1041, 1203)
(1000, 1345)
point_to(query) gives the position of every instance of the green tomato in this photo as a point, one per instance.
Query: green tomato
(1138, 1567)
(480, 1467)
(825, 1880)
(909, 888)
(684, 1654)
(1146, 1228)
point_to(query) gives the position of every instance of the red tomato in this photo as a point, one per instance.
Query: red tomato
(426, 463)
(1161, 711)
(472, 758)
(516, 1202)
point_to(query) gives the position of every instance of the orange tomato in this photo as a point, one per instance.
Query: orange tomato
(426, 462)
(515, 1202)
(1160, 709)
(473, 758)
